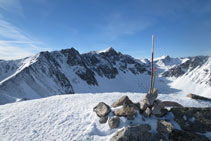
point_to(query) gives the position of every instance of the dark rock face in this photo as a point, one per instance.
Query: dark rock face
(171, 104)
(175, 71)
(102, 109)
(164, 128)
(190, 64)
(178, 135)
(137, 133)
(193, 119)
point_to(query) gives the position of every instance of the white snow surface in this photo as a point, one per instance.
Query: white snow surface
(71, 117)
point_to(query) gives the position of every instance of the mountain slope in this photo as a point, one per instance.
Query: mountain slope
(68, 71)
(51, 73)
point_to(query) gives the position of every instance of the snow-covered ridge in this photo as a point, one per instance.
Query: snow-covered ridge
(68, 71)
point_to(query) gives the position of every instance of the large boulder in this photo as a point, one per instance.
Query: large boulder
(193, 119)
(178, 135)
(121, 101)
(149, 99)
(114, 122)
(102, 109)
(137, 133)
(126, 111)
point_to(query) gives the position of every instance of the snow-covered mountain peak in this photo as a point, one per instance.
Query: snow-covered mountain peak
(164, 57)
(68, 71)
(110, 49)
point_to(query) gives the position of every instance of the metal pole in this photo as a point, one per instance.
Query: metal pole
(152, 64)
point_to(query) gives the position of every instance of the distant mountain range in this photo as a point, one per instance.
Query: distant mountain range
(68, 72)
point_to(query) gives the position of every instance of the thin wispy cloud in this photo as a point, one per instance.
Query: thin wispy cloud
(13, 41)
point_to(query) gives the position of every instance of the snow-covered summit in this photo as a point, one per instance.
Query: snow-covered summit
(110, 49)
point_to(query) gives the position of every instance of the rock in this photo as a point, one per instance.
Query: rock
(149, 99)
(121, 101)
(143, 106)
(155, 92)
(137, 106)
(103, 119)
(126, 110)
(102, 109)
(156, 110)
(171, 104)
(193, 119)
(137, 133)
(147, 112)
(163, 113)
(178, 135)
(164, 128)
(193, 96)
(114, 122)
(160, 104)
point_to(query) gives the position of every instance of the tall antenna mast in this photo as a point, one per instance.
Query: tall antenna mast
(152, 64)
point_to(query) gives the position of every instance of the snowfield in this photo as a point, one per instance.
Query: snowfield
(71, 117)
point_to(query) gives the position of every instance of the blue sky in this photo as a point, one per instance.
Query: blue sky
(181, 28)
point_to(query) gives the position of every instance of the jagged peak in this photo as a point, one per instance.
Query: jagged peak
(70, 50)
(110, 49)
(164, 57)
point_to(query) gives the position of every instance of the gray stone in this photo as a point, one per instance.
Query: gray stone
(137, 133)
(160, 104)
(147, 112)
(103, 119)
(126, 111)
(193, 119)
(114, 122)
(143, 106)
(102, 109)
(164, 128)
(156, 110)
(149, 99)
(177, 135)
(171, 104)
(121, 101)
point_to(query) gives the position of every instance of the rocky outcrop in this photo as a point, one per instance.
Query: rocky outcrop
(149, 105)
(193, 119)
(164, 128)
(137, 133)
(178, 135)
